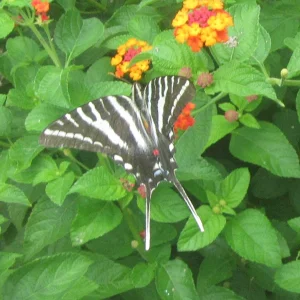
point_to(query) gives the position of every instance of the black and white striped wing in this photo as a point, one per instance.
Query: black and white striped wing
(165, 98)
(110, 125)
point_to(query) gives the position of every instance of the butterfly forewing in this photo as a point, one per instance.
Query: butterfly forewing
(166, 97)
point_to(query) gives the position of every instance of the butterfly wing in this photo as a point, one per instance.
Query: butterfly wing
(165, 98)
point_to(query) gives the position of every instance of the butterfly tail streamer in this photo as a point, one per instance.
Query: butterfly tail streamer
(147, 225)
(188, 202)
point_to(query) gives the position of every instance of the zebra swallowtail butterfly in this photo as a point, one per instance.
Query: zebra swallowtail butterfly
(136, 132)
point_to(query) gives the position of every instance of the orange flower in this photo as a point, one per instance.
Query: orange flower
(125, 53)
(201, 22)
(185, 120)
(41, 9)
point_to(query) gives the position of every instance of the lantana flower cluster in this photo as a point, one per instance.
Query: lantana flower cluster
(41, 9)
(185, 120)
(202, 23)
(125, 53)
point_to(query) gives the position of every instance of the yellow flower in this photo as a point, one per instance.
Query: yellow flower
(208, 36)
(220, 21)
(121, 50)
(180, 19)
(214, 4)
(194, 29)
(116, 60)
(190, 4)
(131, 42)
(182, 33)
(143, 65)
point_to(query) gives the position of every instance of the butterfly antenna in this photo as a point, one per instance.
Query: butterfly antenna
(188, 202)
(148, 198)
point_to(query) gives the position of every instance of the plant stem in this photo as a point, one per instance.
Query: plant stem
(46, 28)
(214, 100)
(98, 5)
(74, 159)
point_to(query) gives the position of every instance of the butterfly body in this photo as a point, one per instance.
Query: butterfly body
(136, 132)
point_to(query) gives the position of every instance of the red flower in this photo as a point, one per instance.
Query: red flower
(185, 120)
(142, 190)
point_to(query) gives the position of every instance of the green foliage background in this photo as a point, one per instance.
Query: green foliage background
(70, 230)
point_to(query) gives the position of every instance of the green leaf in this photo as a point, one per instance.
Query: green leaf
(98, 183)
(108, 88)
(47, 224)
(245, 29)
(251, 235)
(241, 79)
(94, 218)
(295, 224)
(166, 205)
(288, 277)
(5, 121)
(220, 127)
(49, 83)
(278, 24)
(266, 147)
(220, 293)
(58, 189)
(169, 57)
(24, 150)
(6, 24)
(73, 35)
(144, 28)
(99, 71)
(235, 186)
(191, 238)
(46, 278)
(227, 106)
(112, 278)
(192, 143)
(294, 64)
(249, 121)
(12, 194)
(142, 274)
(213, 270)
(42, 115)
(263, 47)
(22, 50)
(174, 280)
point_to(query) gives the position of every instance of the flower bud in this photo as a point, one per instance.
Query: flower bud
(231, 115)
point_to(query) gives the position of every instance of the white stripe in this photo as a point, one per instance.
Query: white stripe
(87, 139)
(69, 118)
(101, 125)
(183, 89)
(161, 103)
(124, 114)
(127, 166)
(98, 143)
(62, 134)
(60, 122)
(70, 135)
(78, 136)
(118, 158)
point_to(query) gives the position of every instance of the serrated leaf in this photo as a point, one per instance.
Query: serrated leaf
(112, 278)
(108, 88)
(49, 85)
(249, 121)
(266, 147)
(24, 150)
(166, 205)
(191, 238)
(245, 29)
(220, 127)
(6, 24)
(235, 186)
(144, 28)
(99, 184)
(94, 218)
(174, 280)
(47, 224)
(58, 189)
(241, 79)
(22, 50)
(250, 234)
(142, 274)
(5, 121)
(170, 56)
(46, 278)
(288, 277)
(42, 115)
(99, 71)
(73, 35)
(12, 194)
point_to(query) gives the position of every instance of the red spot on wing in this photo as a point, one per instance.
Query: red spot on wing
(155, 152)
